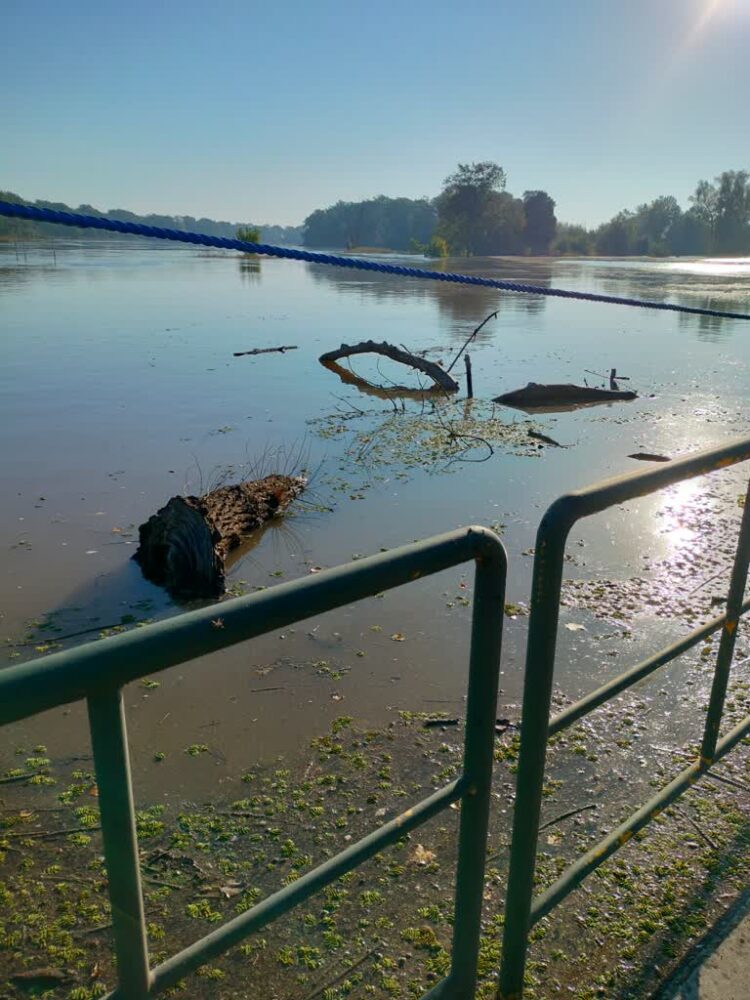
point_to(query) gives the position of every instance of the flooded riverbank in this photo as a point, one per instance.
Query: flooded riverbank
(120, 389)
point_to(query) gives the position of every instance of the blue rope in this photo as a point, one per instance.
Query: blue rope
(136, 229)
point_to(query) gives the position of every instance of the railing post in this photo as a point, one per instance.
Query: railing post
(537, 698)
(479, 754)
(110, 745)
(735, 597)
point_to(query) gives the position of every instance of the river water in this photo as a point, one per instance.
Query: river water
(119, 389)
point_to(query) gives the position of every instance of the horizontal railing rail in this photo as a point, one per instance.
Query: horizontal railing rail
(522, 910)
(96, 672)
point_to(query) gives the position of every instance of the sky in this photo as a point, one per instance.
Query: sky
(263, 112)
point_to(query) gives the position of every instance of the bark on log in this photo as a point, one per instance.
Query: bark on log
(184, 546)
(535, 394)
(438, 375)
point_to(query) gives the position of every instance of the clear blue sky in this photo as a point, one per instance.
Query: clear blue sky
(265, 111)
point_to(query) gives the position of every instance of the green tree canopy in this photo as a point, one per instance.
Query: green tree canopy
(248, 234)
(468, 204)
(540, 224)
(391, 223)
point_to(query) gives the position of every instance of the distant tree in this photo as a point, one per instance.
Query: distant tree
(466, 203)
(615, 238)
(540, 224)
(437, 247)
(575, 240)
(704, 205)
(502, 225)
(15, 229)
(248, 234)
(733, 211)
(391, 223)
(285, 235)
(723, 210)
(691, 234)
(652, 225)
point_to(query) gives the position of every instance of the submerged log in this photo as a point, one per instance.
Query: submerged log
(536, 394)
(184, 546)
(438, 375)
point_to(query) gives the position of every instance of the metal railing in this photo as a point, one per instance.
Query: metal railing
(98, 671)
(522, 910)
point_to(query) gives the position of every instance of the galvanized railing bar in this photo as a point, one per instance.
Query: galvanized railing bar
(234, 931)
(737, 585)
(444, 990)
(112, 764)
(551, 540)
(98, 666)
(637, 673)
(479, 758)
(597, 855)
(572, 506)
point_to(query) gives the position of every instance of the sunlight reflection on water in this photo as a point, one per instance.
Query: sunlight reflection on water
(725, 267)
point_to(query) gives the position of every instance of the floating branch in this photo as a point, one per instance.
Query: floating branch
(380, 391)
(266, 350)
(647, 456)
(438, 375)
(544, 438)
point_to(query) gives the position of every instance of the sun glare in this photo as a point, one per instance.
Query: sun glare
(712, 10)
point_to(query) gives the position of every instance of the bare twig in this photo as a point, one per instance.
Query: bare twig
(67, 878)
(492, 315)
(567, 815)
(42, 640)
(158, 881)
(696, 827)
(49, 834)
(706, 582)
(727, 781)
(266, 350)
(337, 979)
(547, 440)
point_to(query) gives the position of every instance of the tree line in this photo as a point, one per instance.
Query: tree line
(392, 223)
(472, 215)
(20, 229)
(475, 215)
(717, 221)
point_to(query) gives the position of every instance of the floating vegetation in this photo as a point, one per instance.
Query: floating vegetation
(434, 438)
(384, 930)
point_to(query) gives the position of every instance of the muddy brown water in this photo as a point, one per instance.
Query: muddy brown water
(119, 389)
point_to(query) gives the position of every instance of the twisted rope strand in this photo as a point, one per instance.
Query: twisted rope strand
(34, 214)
